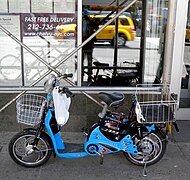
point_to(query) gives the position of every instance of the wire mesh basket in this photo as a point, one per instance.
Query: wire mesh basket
(155, 104)
(28, 108)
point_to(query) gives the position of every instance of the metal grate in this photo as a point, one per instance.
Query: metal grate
(155, 104)
(28, 109)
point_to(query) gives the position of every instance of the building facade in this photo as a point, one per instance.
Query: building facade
(146, 44)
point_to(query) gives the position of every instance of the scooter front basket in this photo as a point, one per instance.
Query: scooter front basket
(28, 108)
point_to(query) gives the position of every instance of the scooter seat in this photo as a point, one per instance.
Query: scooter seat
(114, 99)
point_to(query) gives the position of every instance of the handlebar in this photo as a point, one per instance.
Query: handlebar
(66, 91)
(54, 81)
(66, 76)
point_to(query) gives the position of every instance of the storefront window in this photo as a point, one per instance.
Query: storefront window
(42, 32)
(19, 7)
(68, 6)
(3, 7)
(185, 84)
(155, 40)
(10, 51)
(112, 58)
(122, 63)
(39, 6)
(35, 24)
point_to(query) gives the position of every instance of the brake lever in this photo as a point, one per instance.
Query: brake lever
(66, 91)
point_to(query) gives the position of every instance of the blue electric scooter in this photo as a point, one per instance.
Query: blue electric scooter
(114, 132)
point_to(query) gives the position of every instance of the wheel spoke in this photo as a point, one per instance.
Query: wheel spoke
(150, 149)
(20, 147)
(24, 153)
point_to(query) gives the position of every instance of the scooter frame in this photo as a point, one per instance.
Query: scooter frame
(93, 145)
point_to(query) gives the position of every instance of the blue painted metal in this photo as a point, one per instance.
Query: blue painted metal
(98, 139)
(56, 139)
(151, 128)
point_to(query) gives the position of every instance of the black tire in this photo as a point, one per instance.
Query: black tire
(151, 149)
(121, 40)
(22, 152)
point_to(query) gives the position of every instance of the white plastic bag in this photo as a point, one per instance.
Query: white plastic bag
(61, 104)
(138, 112)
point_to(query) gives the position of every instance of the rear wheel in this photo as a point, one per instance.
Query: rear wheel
(150, 149)
(121, 40)
(23, 152)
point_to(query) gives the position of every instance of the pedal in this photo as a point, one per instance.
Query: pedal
(84, 131)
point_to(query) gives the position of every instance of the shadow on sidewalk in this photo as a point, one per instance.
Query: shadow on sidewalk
(184, 132)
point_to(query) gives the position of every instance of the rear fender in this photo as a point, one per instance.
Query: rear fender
(136, 128)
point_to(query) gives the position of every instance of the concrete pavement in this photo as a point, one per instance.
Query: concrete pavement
(173, 166)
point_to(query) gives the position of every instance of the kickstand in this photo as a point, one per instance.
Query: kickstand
(101, 159)
(144, 168)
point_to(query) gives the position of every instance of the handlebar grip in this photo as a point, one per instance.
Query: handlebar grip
(68, 75)
(66, 91)
(69, 93)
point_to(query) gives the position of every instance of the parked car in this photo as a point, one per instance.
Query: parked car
(187, 35)
(126, 29)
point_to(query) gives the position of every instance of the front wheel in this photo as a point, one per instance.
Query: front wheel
(151, 149)
(23, 152)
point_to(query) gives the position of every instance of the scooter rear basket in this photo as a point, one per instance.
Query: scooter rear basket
(155, 104)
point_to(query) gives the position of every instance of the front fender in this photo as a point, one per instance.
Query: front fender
(43, 132)
(30, 130)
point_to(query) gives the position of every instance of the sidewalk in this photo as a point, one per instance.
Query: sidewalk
(173, 166)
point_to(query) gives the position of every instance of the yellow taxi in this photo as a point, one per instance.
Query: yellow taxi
(126, 29)
(187, 35)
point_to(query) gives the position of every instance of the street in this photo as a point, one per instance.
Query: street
(173, 166)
